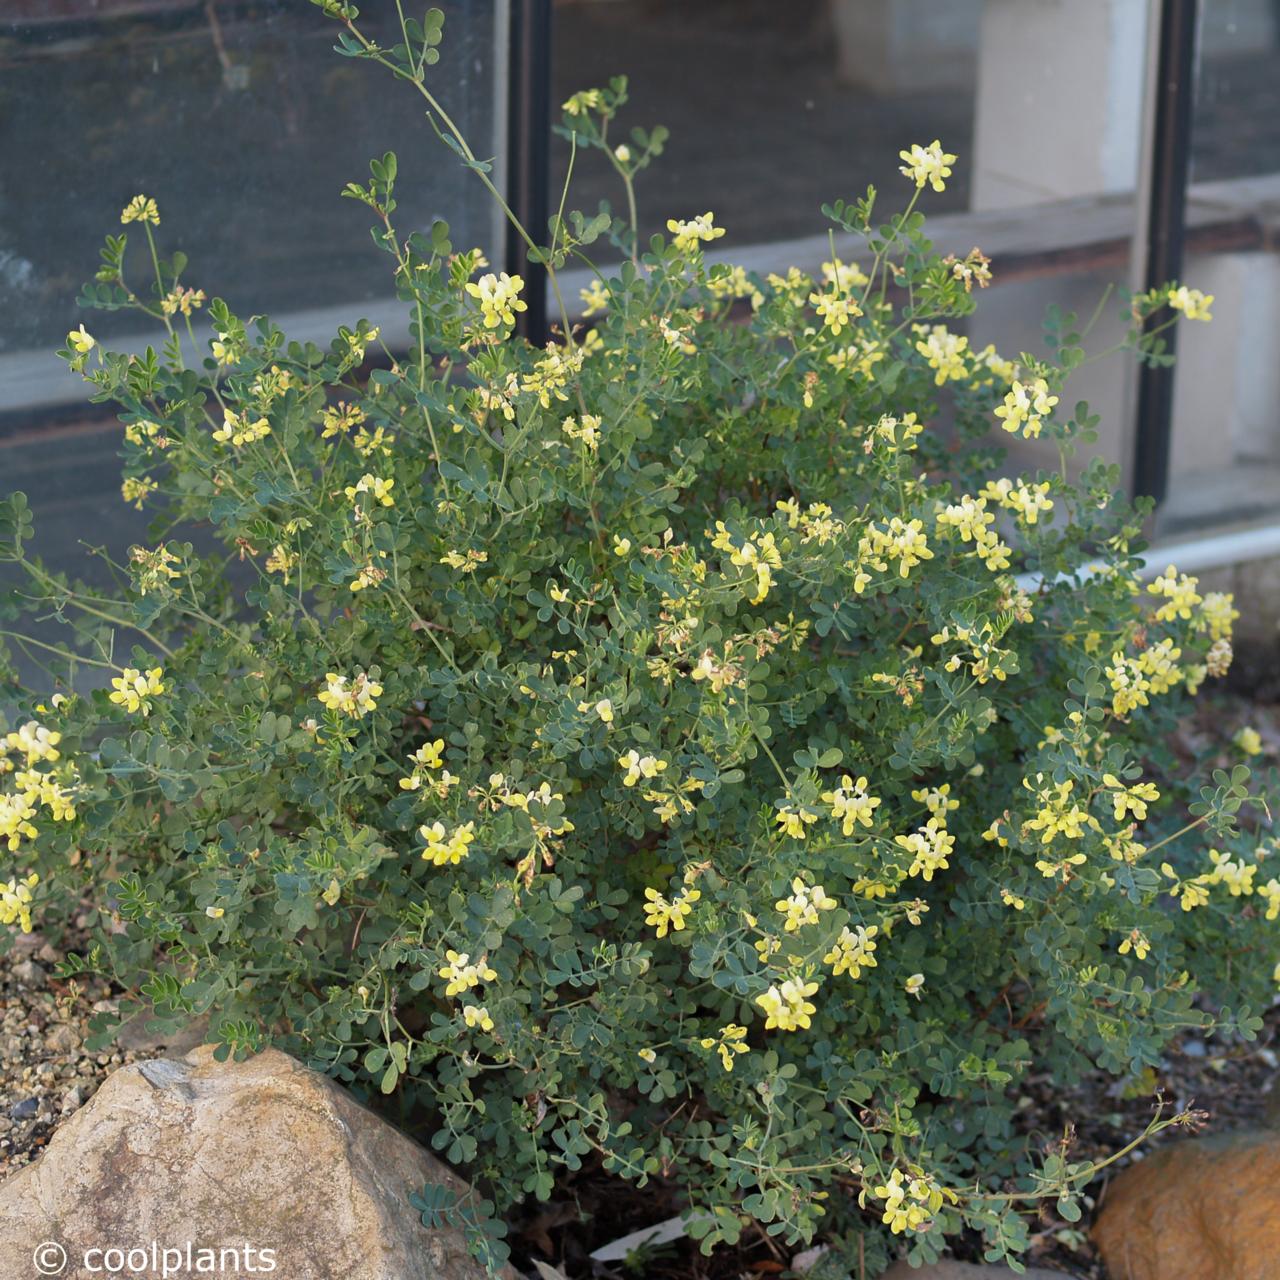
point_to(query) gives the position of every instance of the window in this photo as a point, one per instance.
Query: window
(1225, 465)
(238, 117)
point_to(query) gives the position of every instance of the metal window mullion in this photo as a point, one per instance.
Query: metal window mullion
(1164, 232)
(529, 153)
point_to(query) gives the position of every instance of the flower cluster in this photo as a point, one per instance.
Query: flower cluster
(499, 298)
(353, 696)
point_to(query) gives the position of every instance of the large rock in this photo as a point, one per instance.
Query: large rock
(1201, 1209)
(262, 1153)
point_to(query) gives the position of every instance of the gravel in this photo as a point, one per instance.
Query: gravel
(45, 1071)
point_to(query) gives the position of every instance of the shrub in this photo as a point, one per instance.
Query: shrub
(690, 749)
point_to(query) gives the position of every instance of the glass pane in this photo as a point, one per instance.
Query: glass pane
(773, 108)
(244, 125)
(1226, 424)
(1236, 132)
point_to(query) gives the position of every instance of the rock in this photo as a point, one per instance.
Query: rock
(262, 1154)
(29, 974)
(25, 1110)
(72, 1100)
(133, 1036)
(966, 1271)
(1200, 1209)
(62, 1039)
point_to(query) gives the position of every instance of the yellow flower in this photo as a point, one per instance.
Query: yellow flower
(853, 951)
(80, 341)
(1270, 892)
(621, 546)
(141, 209)
(1249, 740)
(236, 429)
(757, 552)
(16, 812)
(15, 901)
(137, 488)
(1191, 302)
(844, 276)
(588, 432)
(793, 820)
(1129, 684)
(804, 905)
(603, 708)
(595, 297)
(379, 490)
(340, 418)
(35, 741)
(909, 1205)
(476, 1015)
(1179, 594)
(499, 298)
(663, 915)
(1136, 941)
(914, 985)
(930, 846)
(730, 1040)
(1058, 813)
(134, 689)
(835, 309)
(944, 350)
(1235, 873)
(637, 766)
(927, 164)
(787, 1006)
(1217, 613)
(281, 561)
(379, 440)
(1133, 799)
(686, 235)
(899, 540)
(937, 800)
(429, 756)
(465, 563)
(182, 300)
(350, 697)
(461, 975)
(969, 518)
(446, 848)
(1026, 406)
(583, 101)
(851, 803)
(1026, 500)
(152, 569)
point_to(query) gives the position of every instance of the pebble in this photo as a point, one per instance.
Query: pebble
(27, 1109)
(29, 974)
(62, 1039)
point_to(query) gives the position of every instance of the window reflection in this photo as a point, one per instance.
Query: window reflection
(773, 108)
(238, 117)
